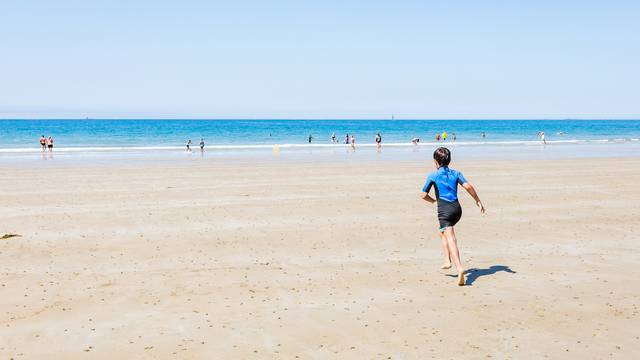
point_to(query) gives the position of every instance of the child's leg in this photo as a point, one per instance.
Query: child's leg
(450, 235)
(445, 251)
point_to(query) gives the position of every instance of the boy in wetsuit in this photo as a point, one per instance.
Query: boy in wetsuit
(445, 182)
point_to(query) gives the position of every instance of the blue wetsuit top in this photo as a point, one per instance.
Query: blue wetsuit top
(446, 183)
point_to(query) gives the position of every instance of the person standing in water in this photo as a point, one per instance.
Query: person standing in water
(201, 144)
(333, 138)
(189, 145)
(445, 183)
(378, 140)
(454, 136)
(542, 137)
(353, 142)
(310, 138)
(43, 143)
(444, 136)
(346, 139)
(50, 143)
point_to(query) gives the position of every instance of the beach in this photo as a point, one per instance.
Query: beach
(314, 260)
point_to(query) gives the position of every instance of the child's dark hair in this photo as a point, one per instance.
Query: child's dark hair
(442, 156)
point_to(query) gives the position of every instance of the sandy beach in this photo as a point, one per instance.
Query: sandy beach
(313, 261)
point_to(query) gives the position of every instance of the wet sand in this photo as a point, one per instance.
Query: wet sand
(301, 260)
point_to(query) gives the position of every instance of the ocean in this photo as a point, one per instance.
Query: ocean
(123, 134)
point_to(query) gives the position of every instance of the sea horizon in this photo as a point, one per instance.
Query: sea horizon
(302, 119)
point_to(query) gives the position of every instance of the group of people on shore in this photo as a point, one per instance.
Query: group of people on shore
(46, 143)
(351, 139)
(201, 144)
(443, 136)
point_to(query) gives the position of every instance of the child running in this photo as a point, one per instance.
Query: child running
(445, 183)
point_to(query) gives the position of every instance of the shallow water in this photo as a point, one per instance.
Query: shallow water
(153, 135)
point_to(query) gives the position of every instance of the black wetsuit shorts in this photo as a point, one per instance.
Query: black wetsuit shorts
(449, 213)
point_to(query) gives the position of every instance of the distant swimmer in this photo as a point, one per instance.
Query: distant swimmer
(189, 145)
(445, 183)
(43, 142)
(438, 137)
(201, 144)
(378, 140)
(49, 143)
(310, 138)
(353, 142)
(483, 135)
(542, 137)
(444, 136)
(333, 138)
(346, 139)
(454, 136)
(561, 133)
(415, 141)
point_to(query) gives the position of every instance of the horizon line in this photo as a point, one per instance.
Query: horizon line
(316, 119)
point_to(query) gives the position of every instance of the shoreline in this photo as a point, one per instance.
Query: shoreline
(195, 147)
(339, 153)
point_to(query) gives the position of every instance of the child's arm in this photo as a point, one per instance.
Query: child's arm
(472, 191)
(426, 197)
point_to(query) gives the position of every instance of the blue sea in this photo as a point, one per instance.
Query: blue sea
(122, 134)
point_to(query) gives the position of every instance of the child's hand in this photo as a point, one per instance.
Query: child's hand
(479, 204)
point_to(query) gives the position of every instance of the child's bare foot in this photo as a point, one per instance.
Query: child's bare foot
(445, 266)
(461, 278)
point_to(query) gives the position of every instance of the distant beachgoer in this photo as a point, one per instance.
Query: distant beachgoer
(333, 138)
(483, 135)
(444, 136)
(542, 137)
(415, 141)
(454, 136)
(189, 145)
(49, 143)
(346, 139)
(446, 181)
(201, 144)
(438, 137)
(43, 143)
(378, 140)
(310, 138)
(353, 142)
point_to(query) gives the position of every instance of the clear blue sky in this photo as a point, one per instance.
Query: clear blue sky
(320, 59)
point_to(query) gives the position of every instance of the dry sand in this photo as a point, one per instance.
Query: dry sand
(300, 260)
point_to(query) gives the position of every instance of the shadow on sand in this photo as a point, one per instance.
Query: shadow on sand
(475, 273)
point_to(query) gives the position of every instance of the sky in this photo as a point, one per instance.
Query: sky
(320, 59)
